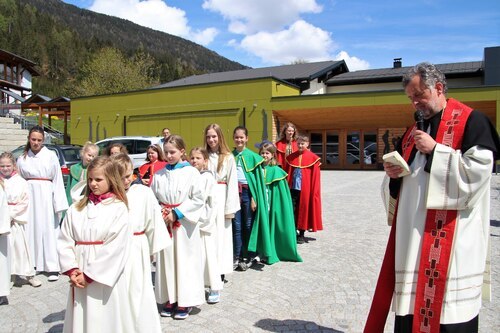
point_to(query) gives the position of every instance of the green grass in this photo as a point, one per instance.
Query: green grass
(57, 124)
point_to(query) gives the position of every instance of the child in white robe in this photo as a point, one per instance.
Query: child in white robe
(93, 249)
(17, 191)
(208, 228)
(40, 167)
(4, 247)
(150, 236)
(179, 270)
(221, 161)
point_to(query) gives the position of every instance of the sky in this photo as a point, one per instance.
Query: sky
(366, 34)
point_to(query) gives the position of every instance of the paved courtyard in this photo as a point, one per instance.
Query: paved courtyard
(329, 292)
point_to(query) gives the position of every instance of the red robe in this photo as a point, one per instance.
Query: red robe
(152, 168)
(309, 209)
(281, 155)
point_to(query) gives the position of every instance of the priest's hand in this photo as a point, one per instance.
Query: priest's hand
(392, 170)
(424, 142)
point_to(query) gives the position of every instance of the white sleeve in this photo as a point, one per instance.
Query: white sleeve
(458, 180)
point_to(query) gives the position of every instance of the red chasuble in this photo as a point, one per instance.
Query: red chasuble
(148, 169)
(436, 244)
(309, 210)
(281, 155)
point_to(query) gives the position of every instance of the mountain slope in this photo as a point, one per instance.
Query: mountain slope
(61, 38)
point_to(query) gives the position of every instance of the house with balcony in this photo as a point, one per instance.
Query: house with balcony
(16, 76)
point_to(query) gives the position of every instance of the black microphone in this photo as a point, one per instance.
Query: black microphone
(419, 119)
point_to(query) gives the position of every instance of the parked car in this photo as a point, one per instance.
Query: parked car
(136, 146)
(67, 155)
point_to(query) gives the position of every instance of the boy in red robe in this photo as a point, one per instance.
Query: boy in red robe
(305, 185)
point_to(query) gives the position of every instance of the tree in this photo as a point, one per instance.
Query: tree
(109, 71)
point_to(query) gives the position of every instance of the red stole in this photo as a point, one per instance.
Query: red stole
(152, 168)
(436, 244)
(95, 199)
(309, 211)
(281, 154)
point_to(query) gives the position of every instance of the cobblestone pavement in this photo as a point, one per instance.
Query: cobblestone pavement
(329, 292)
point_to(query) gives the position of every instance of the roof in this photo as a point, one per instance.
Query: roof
(37, 98)
(60, 99)
(14, 58)
(292, 73)
(396, 74)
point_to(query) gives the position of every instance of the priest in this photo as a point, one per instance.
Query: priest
(436, 255)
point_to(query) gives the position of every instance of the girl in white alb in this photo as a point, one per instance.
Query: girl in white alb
(208, 228)
(179, 274)
(221, 161)
(149, 237)
(40, 167)
(17, 191)
(93, 249)
(4, 247)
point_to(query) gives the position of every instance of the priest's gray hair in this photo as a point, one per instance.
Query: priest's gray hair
(428, 72)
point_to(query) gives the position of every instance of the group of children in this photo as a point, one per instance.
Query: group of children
(200, 220)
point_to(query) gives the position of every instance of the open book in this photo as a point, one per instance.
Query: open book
(395, 158)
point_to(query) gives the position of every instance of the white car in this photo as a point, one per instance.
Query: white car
(137, 146)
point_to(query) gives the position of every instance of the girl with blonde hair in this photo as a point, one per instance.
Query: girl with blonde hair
(93, 248)
(16, 188)
(222, 162)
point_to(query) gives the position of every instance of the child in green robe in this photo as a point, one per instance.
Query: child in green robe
(251, 224)
(281, 219)
(78, 171)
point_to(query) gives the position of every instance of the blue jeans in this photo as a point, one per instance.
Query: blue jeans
(242, 225)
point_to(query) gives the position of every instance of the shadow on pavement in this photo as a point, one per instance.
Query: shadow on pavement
(56, 316)
(56, 328)
(287, 325)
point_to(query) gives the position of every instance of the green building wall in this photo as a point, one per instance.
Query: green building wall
(187, 110)
(184, 110)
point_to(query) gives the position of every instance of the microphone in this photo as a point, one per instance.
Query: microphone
(419, 119)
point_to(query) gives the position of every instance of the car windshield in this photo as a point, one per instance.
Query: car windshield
(71, 155)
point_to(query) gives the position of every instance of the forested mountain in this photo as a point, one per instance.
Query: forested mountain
(69, 44)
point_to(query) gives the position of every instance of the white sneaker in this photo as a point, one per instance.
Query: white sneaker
(35, 282)
(53, 277)
(213, 297)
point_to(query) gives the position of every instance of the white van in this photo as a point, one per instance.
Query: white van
(136, 146)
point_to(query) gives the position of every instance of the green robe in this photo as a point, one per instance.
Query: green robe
(281, 218)
(260, 237)
(75, 172)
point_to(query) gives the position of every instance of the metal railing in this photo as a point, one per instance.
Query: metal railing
(28, 124)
